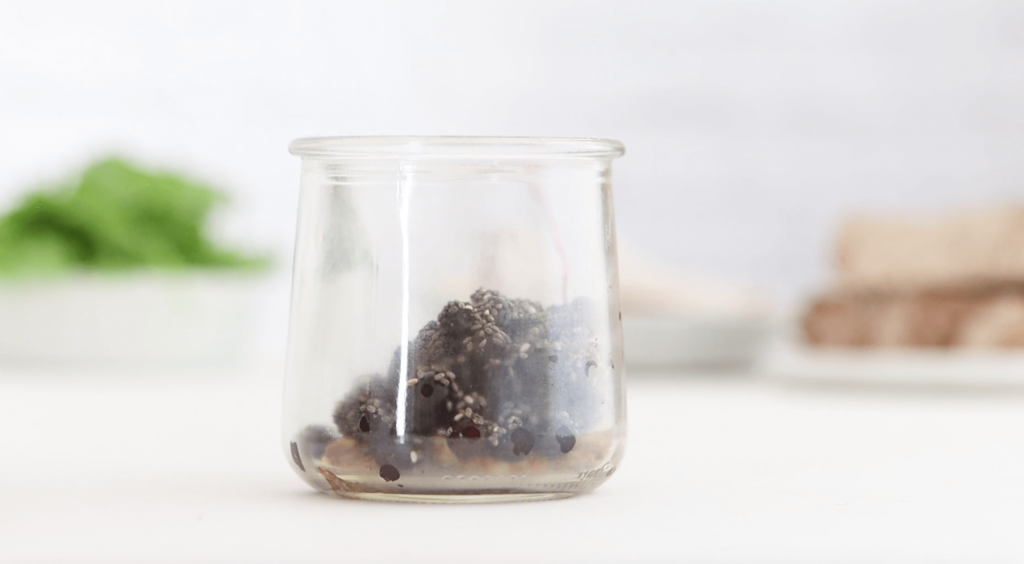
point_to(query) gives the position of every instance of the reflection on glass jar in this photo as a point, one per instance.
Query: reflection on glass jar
(455, 331)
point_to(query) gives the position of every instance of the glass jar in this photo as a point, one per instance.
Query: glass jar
(455, 328)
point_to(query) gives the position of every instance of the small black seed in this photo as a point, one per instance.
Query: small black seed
(566, 442)
(295, 456)
(553, 358)
(522, 441)
(587, 367)
(620, 316)
(389, 473)
(427, 390)
(471, 432)
(364, 424)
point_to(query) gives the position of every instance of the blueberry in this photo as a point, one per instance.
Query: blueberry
(522, 441)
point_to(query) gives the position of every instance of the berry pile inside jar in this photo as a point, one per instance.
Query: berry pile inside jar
(493, 385)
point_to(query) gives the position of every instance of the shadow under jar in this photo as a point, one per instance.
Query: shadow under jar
(455, 328)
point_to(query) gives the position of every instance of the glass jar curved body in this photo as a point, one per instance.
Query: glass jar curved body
(455, 327)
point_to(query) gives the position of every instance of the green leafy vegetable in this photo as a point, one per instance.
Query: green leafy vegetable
(116, 217)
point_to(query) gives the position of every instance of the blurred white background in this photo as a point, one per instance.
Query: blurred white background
(750, 127)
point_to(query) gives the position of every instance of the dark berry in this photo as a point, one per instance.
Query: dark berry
(295, 456)
(522, 441)
(373, 398)
(389, 473)
(427, 390)
(471, 432)
(566, 442)
(313, 440)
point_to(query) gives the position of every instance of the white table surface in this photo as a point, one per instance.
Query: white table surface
(728, 469)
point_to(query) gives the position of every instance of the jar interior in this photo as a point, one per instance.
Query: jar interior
(455, 328)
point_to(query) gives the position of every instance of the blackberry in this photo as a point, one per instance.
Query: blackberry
(495, 376)
(369, 409)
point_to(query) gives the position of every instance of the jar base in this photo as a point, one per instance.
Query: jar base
(455, 499)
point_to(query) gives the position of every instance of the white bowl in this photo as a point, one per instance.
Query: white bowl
(956, 368)
(695, 341)
(194, 317)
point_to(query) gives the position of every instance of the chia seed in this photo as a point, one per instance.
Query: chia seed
(389, 473)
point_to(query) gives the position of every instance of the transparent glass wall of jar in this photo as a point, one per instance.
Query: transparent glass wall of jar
(455, 327)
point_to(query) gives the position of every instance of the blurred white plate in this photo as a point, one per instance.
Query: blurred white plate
(692, 341)
(154, 318)
(942, 368)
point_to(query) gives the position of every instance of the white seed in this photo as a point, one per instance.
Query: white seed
(469, 400)
(413, 381)
(459, 417)
(483, 342)
(413, 456)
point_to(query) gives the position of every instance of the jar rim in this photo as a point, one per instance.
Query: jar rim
(452, 147)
